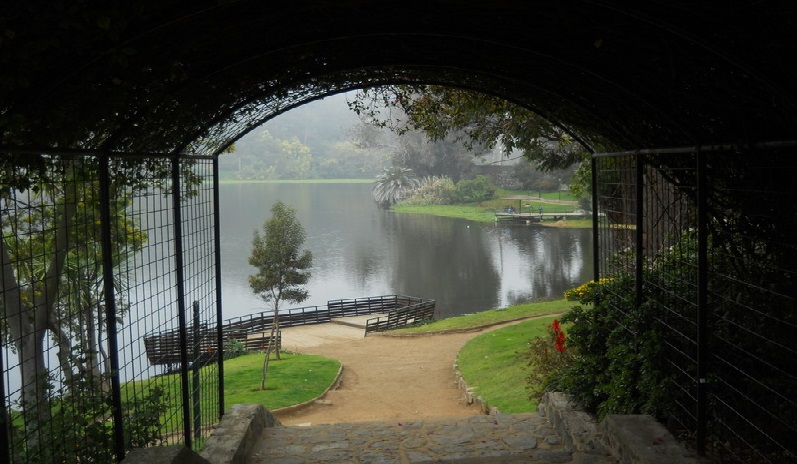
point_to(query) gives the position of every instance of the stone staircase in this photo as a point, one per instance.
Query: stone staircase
(558, 433)
(497, 438)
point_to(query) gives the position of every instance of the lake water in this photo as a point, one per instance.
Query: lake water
(361, 250)
(358, 250)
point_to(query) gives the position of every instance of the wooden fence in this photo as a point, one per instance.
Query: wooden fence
(415, 312)
(252, 330)
(165, 348)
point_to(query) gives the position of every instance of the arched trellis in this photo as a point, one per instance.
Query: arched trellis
(167, 78)
(158, 77)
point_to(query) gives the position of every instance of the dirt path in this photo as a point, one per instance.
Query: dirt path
(383, 377)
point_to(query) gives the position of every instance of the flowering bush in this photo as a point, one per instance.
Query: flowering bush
(559, 342)
(547, 357)
(618, 366)
(585, 293)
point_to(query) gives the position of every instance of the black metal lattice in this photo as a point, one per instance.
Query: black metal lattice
(97, 251)
(708, 235)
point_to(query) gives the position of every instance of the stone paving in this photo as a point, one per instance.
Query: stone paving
(502, 438)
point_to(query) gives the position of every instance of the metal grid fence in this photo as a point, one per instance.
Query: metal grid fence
(709, 237)
(97, 251)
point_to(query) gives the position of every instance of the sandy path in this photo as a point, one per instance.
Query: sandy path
(383, 377)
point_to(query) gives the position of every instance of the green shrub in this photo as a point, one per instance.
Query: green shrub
(234, 348)
(616, 366)
(474, 190)
(547, 357)
(433, 190)
(80, 428)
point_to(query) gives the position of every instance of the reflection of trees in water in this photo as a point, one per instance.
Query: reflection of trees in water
(361, 250)
(366, 255)
(442, 259)
(552, 260)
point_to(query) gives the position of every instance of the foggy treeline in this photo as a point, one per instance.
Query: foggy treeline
(326, 140)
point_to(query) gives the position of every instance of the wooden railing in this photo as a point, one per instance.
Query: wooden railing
(252, 330)
(164, 348)
(415, 312)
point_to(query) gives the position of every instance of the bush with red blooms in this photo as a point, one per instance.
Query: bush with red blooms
(547, 357)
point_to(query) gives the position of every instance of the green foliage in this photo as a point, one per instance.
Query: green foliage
(53, 283)
(474, 190)
(81, 430)
(282, 269)
(586, 292)
(432, 190)
(581, 180)
(547, 357)
(473, 118)
(234, 348)
(393, 184)
(617, 363)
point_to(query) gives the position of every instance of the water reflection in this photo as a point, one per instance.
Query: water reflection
(360, 250)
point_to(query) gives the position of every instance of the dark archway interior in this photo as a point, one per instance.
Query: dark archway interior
(191, 77)
(175, 76)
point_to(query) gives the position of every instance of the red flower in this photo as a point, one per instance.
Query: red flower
(559, 345)
(559, 341)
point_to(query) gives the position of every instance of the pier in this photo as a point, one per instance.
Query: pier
(529, 218)
(253, 330)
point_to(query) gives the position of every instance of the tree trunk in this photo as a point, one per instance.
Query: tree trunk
(269, 348)
(66, 360)
(275, 329)
(91, 350)
(28, 321)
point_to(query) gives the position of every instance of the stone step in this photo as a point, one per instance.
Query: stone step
(503, 438)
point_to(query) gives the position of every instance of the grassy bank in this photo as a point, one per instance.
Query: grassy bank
(495, 366)
(471, 212)
(293, 380)
(494, 363)
(485, 211)
(297, 181)
(492, 316)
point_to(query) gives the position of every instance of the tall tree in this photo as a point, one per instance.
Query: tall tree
(52, 272)
(282, 268)
(475, 119)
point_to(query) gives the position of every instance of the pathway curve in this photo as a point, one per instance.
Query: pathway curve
(398, 403)
(384, 377)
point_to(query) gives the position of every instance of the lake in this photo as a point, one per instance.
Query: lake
(358, 250)
(361, 250)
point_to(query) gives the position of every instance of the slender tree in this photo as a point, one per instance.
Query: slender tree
(282, 269)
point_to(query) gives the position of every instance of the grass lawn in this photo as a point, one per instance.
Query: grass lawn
(298, 181)
(485, 211)
(564, 195)
(470, 211)
(294, 379)
(493, 316)
(493, 364)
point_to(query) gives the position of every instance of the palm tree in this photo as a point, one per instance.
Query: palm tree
(392, 183)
